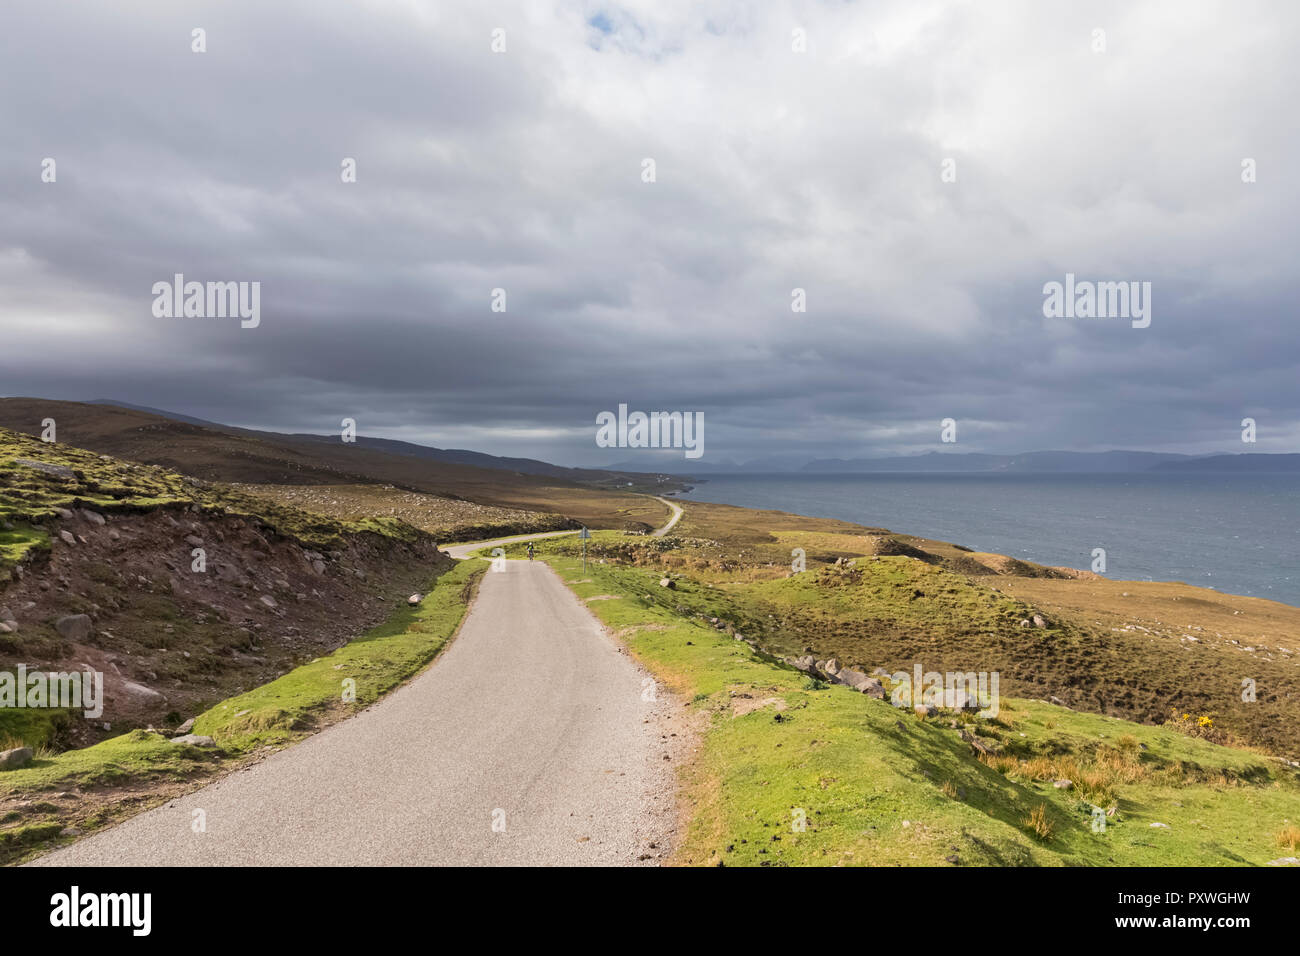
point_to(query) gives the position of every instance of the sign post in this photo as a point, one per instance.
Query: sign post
(584, 534)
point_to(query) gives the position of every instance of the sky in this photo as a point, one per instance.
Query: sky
(919, 169)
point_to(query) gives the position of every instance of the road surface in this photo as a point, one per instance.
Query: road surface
(532, 720)
(677, 516)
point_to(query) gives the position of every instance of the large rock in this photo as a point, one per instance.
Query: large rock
(186, 727)
(861, 682)
(413, 600)
(873, 688)
(195, 740)
(58, 471)
(75, 627)
(807, 664)
(13, 759)
(140, 692)
(94, 517)
(667, 583)
(67, 537)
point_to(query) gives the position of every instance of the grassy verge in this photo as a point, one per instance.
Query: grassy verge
(144, 767)
(880, 786)
(375, 664)
(1134, 650)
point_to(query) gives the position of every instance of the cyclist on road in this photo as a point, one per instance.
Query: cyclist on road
(530, 551)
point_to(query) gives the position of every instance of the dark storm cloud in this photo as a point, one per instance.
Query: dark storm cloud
(775, 170)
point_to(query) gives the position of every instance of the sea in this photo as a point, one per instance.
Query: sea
(1234, 533)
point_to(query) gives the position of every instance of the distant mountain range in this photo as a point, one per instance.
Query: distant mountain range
(662, 463)
(1035, 462)
(451, 456)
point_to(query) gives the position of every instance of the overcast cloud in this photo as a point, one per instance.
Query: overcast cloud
(775, 170)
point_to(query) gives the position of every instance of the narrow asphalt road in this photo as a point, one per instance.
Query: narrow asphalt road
(527, 742)
(677, 516)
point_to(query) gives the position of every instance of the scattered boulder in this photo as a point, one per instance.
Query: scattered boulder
(194, 541)
(1160, 826)
(75, 627)
(1039, 620)
(861, 682)
(67, 538)
(807, 664)
(667, 583)
(94, 517)
(268, 601)
(140, 692)
(1063, 784)
(1285, 861)
(15, 758)
(58, 471)
(413, 600)
(186, 727)
(195, 740)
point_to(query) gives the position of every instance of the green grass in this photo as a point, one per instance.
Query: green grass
(32, 727)
(275, 714)
(1109, 647)
(17, 541)
(881, 786)
(377, 662)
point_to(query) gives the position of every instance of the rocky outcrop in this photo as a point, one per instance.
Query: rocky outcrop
(75, 627)
(15, 758)
(833, 673)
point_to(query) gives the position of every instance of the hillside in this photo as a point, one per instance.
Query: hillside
(871, 598)
(796, 770)
(100, 569)
(453, 456)
(264, 458)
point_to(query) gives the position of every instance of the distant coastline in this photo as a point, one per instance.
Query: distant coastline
(1236, 533)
